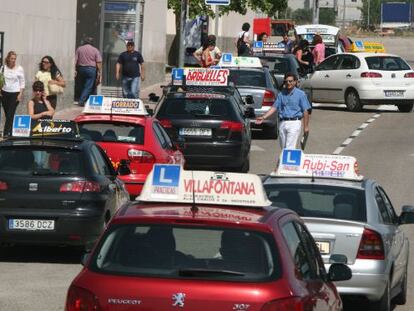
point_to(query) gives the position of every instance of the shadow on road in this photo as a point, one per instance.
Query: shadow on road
(41, 254)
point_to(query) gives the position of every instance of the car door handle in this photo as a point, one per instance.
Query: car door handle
(348, 75)
(326, 76)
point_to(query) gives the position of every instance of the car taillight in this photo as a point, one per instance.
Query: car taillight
(140, 156)
(268, 98)
(288, 304)
(166, 123)
(80, 186)
(3, 186)
(80, 299)
(371, 75)
(232, 126)
(409, 75)
(371, 246)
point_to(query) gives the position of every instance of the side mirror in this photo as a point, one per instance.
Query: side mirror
(249, 100)
(149, 110)
(249, 112)
(153, 98)
(123, 168)
(407, 215)
(85, 258)
(339, 272)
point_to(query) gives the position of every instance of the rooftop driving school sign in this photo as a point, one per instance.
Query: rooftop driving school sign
(206, 77)
(21, 126)
(295, 163)
(170, 183)
(109, 105)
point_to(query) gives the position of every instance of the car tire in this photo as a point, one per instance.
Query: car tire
(401, 298)
(271, 132)
(245, 167)
(384, 304)
(352, 101)
(406, 107)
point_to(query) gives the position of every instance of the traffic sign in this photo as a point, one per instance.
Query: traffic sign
(291, 157)
(166, 175)
(21, 126)
(227, 58)
(95, 100)
(177, 76)
(217, 2)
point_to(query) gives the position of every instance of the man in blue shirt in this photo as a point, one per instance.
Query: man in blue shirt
(131, 64)
(293, 106)
(286, 43)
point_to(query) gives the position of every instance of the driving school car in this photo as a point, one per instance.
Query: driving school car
(55, 188)
(202, 240)
(132, 140)
(348, 214)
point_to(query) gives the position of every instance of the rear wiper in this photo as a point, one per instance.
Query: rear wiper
(201, 115)
(49, 173)
(207, 272)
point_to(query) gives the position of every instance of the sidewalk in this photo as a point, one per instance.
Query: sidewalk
(71, 113)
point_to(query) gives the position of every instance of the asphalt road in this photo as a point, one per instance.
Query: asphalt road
(37, 278)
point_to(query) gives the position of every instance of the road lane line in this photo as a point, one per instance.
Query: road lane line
(256, 148)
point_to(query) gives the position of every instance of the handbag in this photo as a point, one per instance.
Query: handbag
(2, 79)
(55, 89)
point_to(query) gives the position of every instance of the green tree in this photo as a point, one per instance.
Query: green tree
(374, 13)
(302, 16)
(327, 16)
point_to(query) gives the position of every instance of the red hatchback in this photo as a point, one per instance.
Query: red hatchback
(140, 140)
(194, 255)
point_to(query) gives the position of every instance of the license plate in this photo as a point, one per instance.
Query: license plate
(324, 247)
(394, 93)
(195, 132)
(31, 224)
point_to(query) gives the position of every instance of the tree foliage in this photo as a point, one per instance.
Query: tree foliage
(374, 13)
(302, 16)
(327, 16)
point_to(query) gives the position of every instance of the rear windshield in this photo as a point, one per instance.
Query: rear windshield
(319, 201)
(390, 63)
(203, 108)
(248, 78)
(281, 66)
(112, 132)
(172, 251)
(40, 161)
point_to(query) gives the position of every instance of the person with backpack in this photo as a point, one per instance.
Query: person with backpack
(243, 41)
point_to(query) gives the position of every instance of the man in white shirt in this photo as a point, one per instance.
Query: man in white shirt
(242, 41)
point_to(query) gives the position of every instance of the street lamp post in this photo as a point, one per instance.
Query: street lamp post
(181, 47)
(369, 1)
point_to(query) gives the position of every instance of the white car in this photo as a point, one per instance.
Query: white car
(358, 79)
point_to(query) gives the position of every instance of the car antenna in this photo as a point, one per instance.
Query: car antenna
(313, 176)
(194, 208)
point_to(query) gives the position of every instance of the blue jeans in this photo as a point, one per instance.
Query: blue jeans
(87, 76)
(131, 87)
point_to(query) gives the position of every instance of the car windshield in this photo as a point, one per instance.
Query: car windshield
(40, 161)
(112, 132)
(390, 63)
(173, 251)
(199, 108)
(321, 201)
(252, 78)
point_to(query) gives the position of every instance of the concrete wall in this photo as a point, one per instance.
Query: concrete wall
(34, 29)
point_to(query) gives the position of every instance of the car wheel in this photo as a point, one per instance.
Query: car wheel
(384, 304)
(271, 132)
(245, 167)
(352, 101)
(401, 298)
(405, 108)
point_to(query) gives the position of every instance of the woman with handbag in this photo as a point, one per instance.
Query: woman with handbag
(52, 79)
(12, 90)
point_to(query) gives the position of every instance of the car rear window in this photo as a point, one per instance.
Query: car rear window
(173, 251)
(112, 132)
(319, 201)
(251, 78)
(40, 161)
(390, 63)
(281, 66)
(199, 108)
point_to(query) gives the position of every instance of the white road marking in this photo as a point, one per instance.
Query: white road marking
(356, 133)
(387, 108)
(328, 105)
(256, 148)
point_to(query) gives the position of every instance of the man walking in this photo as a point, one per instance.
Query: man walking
(88, 62)
(292, 105)
(131, 64)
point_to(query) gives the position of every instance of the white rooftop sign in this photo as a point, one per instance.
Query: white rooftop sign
(109, 105)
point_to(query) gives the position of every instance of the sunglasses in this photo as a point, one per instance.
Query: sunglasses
(289, 81)
(37, 91)
(45, 62)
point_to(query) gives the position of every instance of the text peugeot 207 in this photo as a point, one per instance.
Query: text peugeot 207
(214, 126)
(55, 188)
(347, 214)
(129, 136)
(198, 240)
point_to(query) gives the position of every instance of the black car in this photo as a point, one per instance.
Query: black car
(56, 192)
(213, 129)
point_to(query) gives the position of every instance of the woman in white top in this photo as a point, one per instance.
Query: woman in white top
(12, 91)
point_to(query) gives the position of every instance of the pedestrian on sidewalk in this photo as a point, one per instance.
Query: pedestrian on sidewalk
(242, 41)
(39, 107)
(215, 53)
(12, 90)
(293, 107)
(52, 79)
(130, 65)
(88, 62)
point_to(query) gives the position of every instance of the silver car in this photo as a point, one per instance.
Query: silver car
(355, 218)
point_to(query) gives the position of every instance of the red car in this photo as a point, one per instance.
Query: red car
(176, 250)
(138, 139)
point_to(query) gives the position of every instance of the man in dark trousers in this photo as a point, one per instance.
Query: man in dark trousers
(131, 65)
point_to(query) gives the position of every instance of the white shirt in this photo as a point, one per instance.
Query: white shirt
(246, 35)
(14, 79)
